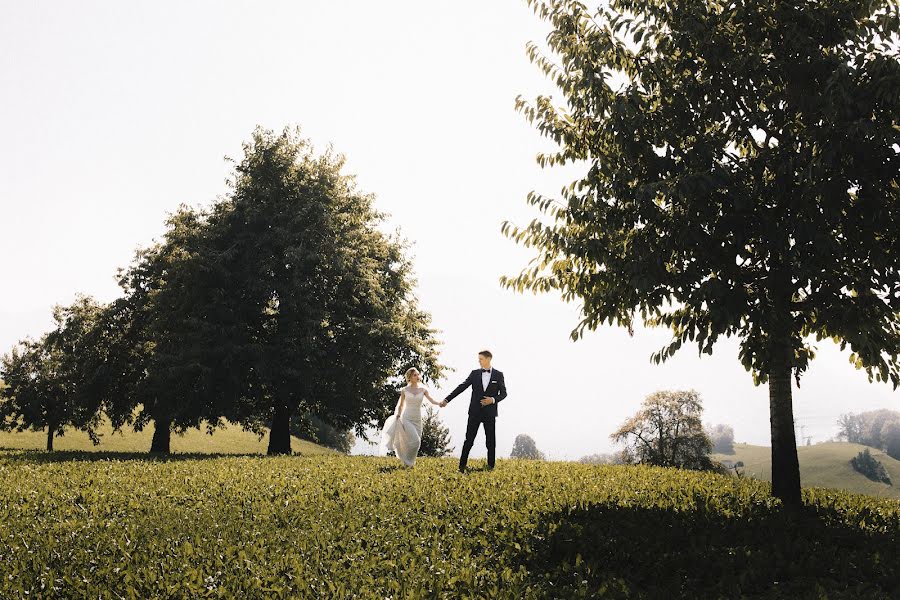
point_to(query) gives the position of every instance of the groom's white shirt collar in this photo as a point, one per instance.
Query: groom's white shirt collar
(486, 378)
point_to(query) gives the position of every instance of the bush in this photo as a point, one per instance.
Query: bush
(870, 466)
(435, 436)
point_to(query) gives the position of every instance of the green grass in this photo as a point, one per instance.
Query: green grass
(230, 440)
(94, 526)
(822, 465)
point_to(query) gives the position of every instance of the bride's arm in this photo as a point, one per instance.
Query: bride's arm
(430, 399)
(399, 410)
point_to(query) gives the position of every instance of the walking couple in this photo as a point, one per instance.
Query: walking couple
(402, 431)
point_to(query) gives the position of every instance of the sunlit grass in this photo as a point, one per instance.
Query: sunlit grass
(102, 526)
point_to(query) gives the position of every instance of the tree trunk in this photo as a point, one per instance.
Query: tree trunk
(280, 433)
(162, 435)
(785, 466)
(51, 433)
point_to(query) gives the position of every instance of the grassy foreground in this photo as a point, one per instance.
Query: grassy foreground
(822, 465)
(87, 526)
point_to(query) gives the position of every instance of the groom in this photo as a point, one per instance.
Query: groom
(488, 388)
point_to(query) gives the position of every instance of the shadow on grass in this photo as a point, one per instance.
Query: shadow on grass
(59, 456)
(616, 552)
(390, 468)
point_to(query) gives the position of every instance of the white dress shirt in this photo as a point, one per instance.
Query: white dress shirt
(486, 378)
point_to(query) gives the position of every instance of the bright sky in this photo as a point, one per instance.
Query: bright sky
(113, 113)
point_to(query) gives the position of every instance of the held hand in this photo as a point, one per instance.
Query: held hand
(486, 401)
(442, 403)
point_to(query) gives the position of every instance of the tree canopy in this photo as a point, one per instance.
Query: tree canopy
(435, 435)
(320, 307)
(667, 432)
(741, 181)
(284, 298)
(524, 446)
(48, 382)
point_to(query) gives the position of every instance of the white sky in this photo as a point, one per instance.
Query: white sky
(113, 113)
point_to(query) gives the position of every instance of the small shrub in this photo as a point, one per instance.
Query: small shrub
(870, 466)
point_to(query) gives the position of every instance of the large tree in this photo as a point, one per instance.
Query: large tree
(317, 302)
(47, 384)
(524, 446)
(722, 437)
(667, 432)
(156, 349)
(742, 180)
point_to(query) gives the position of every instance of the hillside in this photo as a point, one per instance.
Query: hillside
(823, 465)
(256, 527)
(230, 440)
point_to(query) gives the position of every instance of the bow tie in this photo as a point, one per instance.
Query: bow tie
(485, 370)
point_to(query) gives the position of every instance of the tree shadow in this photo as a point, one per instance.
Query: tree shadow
(614, 551)
(60, 456)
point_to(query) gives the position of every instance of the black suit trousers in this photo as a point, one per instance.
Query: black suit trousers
(490, 431)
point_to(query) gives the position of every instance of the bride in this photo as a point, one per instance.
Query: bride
(402, 431)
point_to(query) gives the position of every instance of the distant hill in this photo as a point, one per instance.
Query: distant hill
(231, 440)
(822, 465)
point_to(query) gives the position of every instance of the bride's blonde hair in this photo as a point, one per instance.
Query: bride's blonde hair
(410, 371)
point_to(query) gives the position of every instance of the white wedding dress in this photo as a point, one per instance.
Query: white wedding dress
(404, 435)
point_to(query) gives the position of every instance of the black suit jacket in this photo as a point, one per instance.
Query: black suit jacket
(496, 389)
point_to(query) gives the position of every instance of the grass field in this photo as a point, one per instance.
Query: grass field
(80, 525)
(230, 440)
(823, 465)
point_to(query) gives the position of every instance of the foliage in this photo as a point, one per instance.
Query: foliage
(310, 427)
(722, 437)
(602, 459)
(742, 181)
(667, 432)
(156, 352)
(877, 428)
(524, 446)
(285, 297)
(869, 466)
(135, 526)
(435, 436)
(311, 286)
(46, 383)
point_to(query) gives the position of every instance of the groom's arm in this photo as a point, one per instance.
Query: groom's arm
(459, 389)
(502, 394)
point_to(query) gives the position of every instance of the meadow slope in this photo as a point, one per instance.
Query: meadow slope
(822, 465)
(95, 526)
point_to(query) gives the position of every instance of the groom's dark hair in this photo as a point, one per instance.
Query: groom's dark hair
(486, 354)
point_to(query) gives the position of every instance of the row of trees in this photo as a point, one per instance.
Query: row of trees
(282, 303)
(742, 181)
(877, 428)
